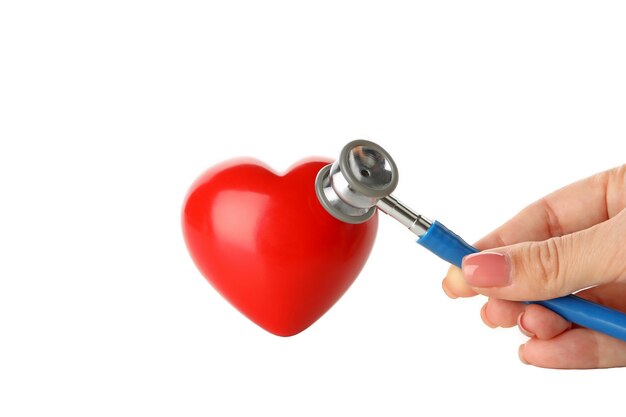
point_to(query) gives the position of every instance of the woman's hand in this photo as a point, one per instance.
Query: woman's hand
(572, 239)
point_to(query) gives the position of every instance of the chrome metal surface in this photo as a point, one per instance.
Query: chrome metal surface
(361, 179)
(413, 221)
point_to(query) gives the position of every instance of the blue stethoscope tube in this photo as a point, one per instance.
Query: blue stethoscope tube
(450, 247)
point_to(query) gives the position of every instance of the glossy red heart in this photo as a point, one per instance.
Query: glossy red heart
(268, 246)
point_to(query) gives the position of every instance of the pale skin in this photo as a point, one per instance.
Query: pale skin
(572, 239)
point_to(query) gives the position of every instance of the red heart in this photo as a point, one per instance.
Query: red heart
(268, 246)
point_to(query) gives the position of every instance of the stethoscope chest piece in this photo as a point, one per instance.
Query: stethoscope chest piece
(350, 188)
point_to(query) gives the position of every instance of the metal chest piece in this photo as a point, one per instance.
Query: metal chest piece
(350, 188)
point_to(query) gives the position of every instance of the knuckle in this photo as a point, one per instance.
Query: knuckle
(544, 261)
(615, 266)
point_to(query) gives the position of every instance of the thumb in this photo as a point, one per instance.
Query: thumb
(554, 267)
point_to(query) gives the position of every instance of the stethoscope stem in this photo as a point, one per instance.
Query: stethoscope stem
(413, 221)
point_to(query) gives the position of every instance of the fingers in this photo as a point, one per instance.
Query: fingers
(501, 313)
(553, 342)
(532, 320)
(454, 284)
(575, 349)
(568, 210)
(551, 268)
(541, 323)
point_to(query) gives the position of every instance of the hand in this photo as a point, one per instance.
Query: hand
(572, 239)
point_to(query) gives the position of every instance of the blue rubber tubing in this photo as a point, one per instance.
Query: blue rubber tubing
(450, 247)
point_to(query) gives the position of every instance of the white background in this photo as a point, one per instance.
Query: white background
(109, 110)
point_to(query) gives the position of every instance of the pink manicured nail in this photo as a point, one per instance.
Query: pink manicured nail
(523, 329)
(486, 269)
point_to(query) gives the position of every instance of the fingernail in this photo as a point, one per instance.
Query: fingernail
(447, 290)
(486, 269)
(483, 316)
(523, 329)
(520, 353)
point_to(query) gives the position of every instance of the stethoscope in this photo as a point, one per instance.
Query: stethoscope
(362, 180)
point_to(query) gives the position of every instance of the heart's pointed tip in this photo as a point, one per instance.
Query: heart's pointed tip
(285, 336)
(285, 333)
